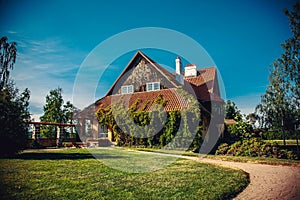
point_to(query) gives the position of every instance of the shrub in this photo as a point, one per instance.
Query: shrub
(240, 130)
(222, 149)
(255, 147)
(14, 113)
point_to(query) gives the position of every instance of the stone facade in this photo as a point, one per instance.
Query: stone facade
(138, 74)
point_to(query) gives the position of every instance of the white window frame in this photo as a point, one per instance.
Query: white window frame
(127, 89)
(153, 86)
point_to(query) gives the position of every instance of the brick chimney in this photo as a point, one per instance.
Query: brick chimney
(190, 70)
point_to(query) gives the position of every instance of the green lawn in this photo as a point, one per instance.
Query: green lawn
(269, 161)
(288, 142)
(76, 174)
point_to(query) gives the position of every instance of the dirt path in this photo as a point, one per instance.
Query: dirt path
(266, 181)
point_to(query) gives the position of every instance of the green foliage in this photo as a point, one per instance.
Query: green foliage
(232, 111)
(56, 111)
(13, 106)
(280, 105)
(14, 113)
(240, 130)
(138, 126)
(272, 135)
(171, 128)
(255, 147)
(222, 149)
(8, 55)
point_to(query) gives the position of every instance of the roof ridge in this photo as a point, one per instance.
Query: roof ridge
(113, 85)
(168, 75)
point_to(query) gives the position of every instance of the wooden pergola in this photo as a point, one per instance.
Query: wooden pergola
(59, 132)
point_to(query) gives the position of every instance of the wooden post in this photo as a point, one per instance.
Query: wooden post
(59, 135)
(33, 132)
(36, 132)
(36, 135)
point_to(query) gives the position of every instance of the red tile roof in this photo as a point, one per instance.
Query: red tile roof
(205, 75)
(203, 84)
(174, 100)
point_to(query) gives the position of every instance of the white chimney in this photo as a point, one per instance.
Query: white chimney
(179, 76)
(178, 65)
(190, 70)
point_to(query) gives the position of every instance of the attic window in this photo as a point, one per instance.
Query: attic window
(153, 86)
(127, 89)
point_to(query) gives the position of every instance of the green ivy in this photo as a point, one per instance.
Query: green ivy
(187, 117)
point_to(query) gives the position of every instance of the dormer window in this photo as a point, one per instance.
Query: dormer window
(127, 89)
(153, 86)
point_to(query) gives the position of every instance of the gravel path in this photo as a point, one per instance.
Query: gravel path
(266, 181)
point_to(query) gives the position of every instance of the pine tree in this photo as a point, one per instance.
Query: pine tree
(56, 111)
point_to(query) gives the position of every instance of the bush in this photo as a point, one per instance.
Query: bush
(255, 147)
(222, 149)
(240, 130)
(14, 111)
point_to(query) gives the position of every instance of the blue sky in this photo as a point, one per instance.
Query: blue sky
(54, 37)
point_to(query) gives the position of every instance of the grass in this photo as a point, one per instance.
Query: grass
(260, 160)
(76, 174)
(288, 142)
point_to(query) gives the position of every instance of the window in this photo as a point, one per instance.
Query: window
(87, 126)
(127, 89)
(103, 132)
(153, 86)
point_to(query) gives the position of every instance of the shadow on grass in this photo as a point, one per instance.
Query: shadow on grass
(63, 156)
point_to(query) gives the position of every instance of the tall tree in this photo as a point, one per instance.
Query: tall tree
(53, 109)
(291, 56)
(56, 111)
(13, 106)
(279, 106)
(8, 54)
(232, 111)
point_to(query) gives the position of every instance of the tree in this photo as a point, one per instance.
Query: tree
(240, 130)
(68, 112)
(14, 106)
(8, 54)
(56, 111)
(252, 119)
(232, 111)
(290, 58)
(280, 104)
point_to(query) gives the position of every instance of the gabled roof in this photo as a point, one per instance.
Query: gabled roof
(203, 85)
(169, 76)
